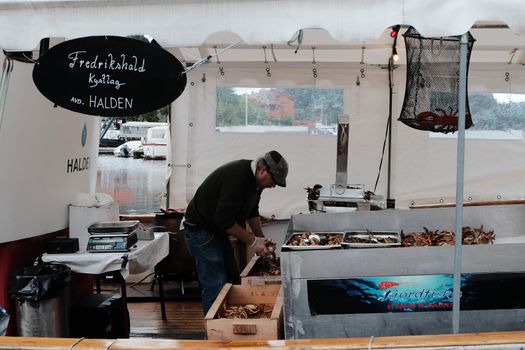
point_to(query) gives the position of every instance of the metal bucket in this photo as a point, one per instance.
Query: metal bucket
(44, 318)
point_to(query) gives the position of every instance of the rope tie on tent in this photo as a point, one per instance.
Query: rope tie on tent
(4, 83)
(298, 37)
(362, 70)
(207, 58)
(268, 73)
(370, 342)
(217, 55)
(76, 343)
(512, 54)
(221, 69)
(110, 344)
(273, 53)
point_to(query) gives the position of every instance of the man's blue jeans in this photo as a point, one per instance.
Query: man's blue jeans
(215, 262)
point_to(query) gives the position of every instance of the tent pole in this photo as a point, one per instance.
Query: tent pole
(460, 181)
(169, 161)
(389, 165)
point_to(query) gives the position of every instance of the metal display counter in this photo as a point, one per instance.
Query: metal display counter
(302, 270)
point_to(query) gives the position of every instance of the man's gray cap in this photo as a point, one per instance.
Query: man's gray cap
(277, 166)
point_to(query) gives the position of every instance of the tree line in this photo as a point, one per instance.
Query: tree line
(278, 106)
(489, 114)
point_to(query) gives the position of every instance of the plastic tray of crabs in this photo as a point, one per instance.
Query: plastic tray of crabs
(371, 239)
(314, 240)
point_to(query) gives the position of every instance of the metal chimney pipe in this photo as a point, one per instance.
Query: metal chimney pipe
(341, 177)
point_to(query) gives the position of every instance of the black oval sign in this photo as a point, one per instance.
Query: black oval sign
(109, 76)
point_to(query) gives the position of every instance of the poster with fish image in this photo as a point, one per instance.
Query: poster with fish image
(420, 293)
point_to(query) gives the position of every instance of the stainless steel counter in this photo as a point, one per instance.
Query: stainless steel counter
(506, 255)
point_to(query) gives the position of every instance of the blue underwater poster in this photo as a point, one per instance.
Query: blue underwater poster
(421, 293)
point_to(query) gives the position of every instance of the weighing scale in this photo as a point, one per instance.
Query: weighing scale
(117, 236)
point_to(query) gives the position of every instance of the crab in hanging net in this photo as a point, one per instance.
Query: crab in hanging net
(444, 121)
(432, 90)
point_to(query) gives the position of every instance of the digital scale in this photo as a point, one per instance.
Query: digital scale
(117, 236)
(111, 242)
(339, 198)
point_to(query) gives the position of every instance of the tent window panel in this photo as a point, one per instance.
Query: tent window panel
(276, 110)
(495, 117)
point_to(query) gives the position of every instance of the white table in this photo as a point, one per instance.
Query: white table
(141, 257)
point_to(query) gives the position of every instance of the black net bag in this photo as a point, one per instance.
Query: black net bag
(432, 83)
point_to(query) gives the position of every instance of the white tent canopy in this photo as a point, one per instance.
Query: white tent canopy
(178, 23)
(344, 36)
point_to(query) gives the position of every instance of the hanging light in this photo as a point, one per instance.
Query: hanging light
(393, 34)
(394, 31)
(395, 56)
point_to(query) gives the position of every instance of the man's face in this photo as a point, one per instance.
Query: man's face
(263, 178)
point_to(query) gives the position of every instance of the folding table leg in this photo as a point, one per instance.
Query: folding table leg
(161, 295)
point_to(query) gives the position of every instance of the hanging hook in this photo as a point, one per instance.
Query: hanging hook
(314, 71)
(265, 60)
(362, 70)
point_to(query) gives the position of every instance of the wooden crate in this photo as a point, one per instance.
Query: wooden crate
(251, 328)
(246, 278)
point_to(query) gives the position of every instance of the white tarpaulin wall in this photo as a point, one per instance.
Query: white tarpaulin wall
(423, 167)
(44, 161)
(175, 23)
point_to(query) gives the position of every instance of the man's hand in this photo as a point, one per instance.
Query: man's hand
(259, 246)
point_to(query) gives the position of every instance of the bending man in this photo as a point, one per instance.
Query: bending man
(227, 198)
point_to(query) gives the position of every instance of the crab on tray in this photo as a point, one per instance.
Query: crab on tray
(314, 240)
(371, 239)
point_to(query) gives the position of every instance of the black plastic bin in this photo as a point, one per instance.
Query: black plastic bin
(99, 316)
(42, 300)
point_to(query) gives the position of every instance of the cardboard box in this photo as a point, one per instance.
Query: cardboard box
(81, 217)
(250, 328)
(247, 276)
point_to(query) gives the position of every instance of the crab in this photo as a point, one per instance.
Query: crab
(446, 121)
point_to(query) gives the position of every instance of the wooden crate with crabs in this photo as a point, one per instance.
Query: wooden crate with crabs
(246, 312)
(261, 271)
